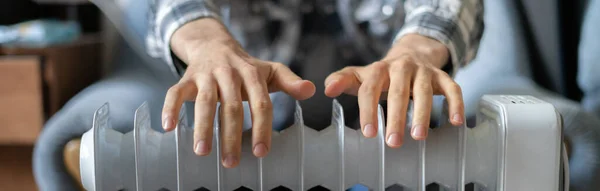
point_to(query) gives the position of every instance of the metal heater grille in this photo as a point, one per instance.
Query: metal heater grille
(495, 155)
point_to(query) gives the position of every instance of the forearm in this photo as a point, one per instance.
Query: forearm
(458, 24)
(189, 36)
(167, 16)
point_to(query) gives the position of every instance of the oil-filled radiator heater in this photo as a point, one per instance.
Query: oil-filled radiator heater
(517, 145)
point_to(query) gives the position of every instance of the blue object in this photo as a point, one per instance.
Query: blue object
(358, 187)
(39, 33)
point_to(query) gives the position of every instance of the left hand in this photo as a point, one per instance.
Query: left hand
(411, 68)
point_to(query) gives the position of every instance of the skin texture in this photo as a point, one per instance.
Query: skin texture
(219, 70)
(411, 68)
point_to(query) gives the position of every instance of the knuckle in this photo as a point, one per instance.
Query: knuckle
(223, 70)
(406, 70)
(425, 72)
(205, 96)
(423, 87)
(174, 90)
(199, 75)
(403, 65)
(274, 68)
(368, 89)
(379, 66)
(410, 67)
(402, 92)
(232, 107)
(254, 80)
(406, 59)
(375, 74)
(398, 94)
(251, 72)
(442, 74)
(455, 87)
(250, 69)
(277, 64)
(187, 80)
(394, 96)
(349, 69)
(263, 105)
(200, 78)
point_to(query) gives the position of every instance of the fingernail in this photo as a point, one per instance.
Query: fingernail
(260, 150)
(369, 131)
(201, 148)
(167, 123)
(457, 118)
(419, 132)
(229, 161)
(394, 140)
(329, 82)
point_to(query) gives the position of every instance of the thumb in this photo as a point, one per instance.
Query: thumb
(283, 79)
(343, 81)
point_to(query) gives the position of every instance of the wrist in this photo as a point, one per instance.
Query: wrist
(199, 33)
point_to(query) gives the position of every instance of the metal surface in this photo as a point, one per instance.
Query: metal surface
(517, 145)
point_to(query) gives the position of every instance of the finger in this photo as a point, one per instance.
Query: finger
(397, 104)
(261, 110)
(231, 114)
(453, 94)
(342, 81)
(174, 99)
(283, 79)
(422, 97)
(204, 114)
(368, 98)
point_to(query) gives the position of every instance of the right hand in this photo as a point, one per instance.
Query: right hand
(219, 70)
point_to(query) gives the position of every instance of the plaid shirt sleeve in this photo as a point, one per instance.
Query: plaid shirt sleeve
(165, 17)
(456, 23)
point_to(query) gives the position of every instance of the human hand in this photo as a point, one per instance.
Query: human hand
(410, 69)
(219, 70)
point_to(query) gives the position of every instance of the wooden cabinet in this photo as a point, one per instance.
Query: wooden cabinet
(36, 82)
(21, 111)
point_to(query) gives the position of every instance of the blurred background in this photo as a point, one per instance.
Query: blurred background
(51, 49)
(62, 59)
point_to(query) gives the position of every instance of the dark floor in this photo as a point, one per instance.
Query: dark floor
(15, 168)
